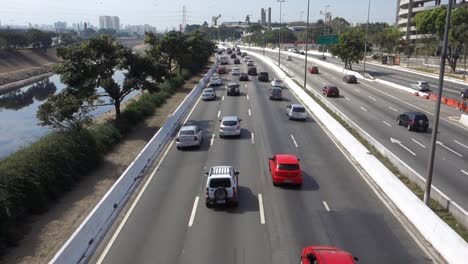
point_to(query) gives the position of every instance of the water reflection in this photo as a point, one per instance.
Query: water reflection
(19, 99)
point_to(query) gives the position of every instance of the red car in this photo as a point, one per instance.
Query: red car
(222, 70)
(326, 254)
(313, 70)
(330, 90)
(285, 169)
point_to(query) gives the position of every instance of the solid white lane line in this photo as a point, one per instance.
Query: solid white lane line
(393, 109)
(194, 211)
(294, 140)
(260, 205)
(347, 98)
(212, 140)
(449, 149)
(372, 98)
(250, 112)
(222, 99)
(253, 138)
(357, 90)
(248, 97)
(415, 141)
(326, 206)
(466, 173)
(386, 123)
(245, 85)
(465, 146)
(219, 113)
(363, 109)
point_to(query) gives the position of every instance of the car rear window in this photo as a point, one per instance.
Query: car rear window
(420, 117)
(229, 123)
(290, 167)
(276, 91)
(220, 182)
(299, 109)
(208, 91)
(187, 132)
(233, 85)
(424, 83)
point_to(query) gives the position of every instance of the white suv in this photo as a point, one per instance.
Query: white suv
(222, 186)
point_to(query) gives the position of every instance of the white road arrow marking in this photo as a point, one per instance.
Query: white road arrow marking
(395, 141)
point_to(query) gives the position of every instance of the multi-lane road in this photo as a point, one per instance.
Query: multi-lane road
(169, 223)
(374, 107)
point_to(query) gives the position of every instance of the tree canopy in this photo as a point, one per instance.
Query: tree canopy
(350, 47)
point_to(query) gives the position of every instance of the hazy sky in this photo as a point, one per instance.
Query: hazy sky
(168, 13)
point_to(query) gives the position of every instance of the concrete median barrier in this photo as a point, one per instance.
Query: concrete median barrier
(81, 245)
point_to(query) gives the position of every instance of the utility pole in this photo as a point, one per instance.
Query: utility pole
(324, 23)
(279, 39)
(430, 167)
(367, 32)
(306, 46)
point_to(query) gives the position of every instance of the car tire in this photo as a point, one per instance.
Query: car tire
(178, 147)
(275, 184)
(221, 136)
(425, 130)
(208, 205)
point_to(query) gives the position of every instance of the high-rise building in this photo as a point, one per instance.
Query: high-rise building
(60, 26)
(269, 18)
(407, 10)
(109, 22)
(262, 17)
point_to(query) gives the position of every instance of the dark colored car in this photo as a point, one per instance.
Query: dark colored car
(222, 70)
(330, 90)
(229, 52)
(414, 121)
(232, 89)
(263, 77)
(313, 70)
(236, 61)
(322, 57)
(243, 54)
(239, 53)
(252, 71)
(233, 56)
(220, 52)
(237, 48)
(244, 77)
(276, 93)
(464, 94)
(350, 78)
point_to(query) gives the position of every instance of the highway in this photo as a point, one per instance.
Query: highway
(169, 223)
(404, 78)
(374, 107)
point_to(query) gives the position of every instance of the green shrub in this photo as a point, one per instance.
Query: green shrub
(106, 136)
(186, 74)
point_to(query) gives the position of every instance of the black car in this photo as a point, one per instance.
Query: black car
(276, 93)
(244, 77)
(243, 54)
(350, 78)
(252, 71)
(236, 61)
(263, 77)
(232, 89)
(233, 56)
(220, 52)
(464, 94)
(414, 121)
(229, 52)
(239, 53)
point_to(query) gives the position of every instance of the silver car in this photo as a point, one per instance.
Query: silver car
(296, 111)
(423, 86)
(189, 136)
(208, 94)
(230, 126)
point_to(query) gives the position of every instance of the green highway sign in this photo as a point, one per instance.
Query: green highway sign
(327, 40)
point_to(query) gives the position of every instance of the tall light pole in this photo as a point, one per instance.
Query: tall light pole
(263, 40)
(367, 32)
(306, 46)
(302, 12)
(323, 33)
(279, 37)
(430, 166)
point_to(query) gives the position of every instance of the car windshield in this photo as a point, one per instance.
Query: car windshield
(229, 123)
(208, 91)
(215, 78)
(187, 132)
(220, 182)
(299, 109)
(289, 167)
(278, 81)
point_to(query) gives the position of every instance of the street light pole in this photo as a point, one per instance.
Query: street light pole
(367, 32)
(324, 19)
(430, 167)
(306, 46)
(279, 37)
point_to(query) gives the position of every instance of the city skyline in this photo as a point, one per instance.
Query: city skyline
(168, 15)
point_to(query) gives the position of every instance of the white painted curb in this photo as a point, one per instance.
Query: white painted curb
(446, 241)
(81, 245)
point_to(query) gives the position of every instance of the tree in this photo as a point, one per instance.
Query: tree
(338, 24)
(88, 70)
(350, 47)
(39, 39)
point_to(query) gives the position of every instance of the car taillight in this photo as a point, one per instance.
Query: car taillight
(177, 140)
(413, 122)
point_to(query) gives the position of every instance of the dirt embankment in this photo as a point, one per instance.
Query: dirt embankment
(21, 65)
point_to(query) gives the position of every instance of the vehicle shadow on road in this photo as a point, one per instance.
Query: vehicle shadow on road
(248, 202)
(308, 184)
(245, 134)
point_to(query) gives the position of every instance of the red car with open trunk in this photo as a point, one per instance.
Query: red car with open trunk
(326, 255)
(285, 169)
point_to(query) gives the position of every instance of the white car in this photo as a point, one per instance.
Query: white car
(215, 81)
(230, 126)
(222, 186)
(277, 83)
(250, 63)
(235, 71)
(189, 136)
(208, 94)
(246, 58)
(296, 111)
